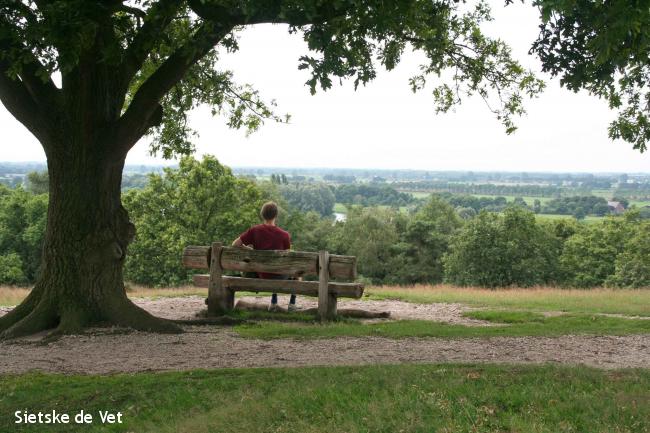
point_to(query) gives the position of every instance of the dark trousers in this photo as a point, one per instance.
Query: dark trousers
(274, 296)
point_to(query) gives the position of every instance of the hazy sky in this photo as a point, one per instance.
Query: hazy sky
(385, 125)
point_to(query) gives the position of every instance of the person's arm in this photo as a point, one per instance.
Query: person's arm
(244, 240)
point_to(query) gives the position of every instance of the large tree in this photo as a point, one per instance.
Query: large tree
(90, 78)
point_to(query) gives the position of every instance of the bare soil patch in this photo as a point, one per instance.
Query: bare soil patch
(186, 308)
(106, 351)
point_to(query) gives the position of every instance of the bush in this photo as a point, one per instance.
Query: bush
(632, 266)
(11, 269)
(22, 228)
(589, 256)
(196, 204)
(494, 250)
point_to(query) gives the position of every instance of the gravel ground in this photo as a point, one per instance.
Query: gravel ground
(186, 308)
(104, 351)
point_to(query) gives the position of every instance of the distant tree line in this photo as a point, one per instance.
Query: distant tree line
(202, 201)
(489, 188)
(307, 197)
(468, 206)
(371, 195)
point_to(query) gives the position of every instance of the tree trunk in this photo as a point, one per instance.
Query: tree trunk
(88, 230)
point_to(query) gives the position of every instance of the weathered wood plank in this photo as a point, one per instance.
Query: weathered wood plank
(220, 298)
(302, 288)
(326, 300)
(196, 257)
(290, 263)
(343, 267)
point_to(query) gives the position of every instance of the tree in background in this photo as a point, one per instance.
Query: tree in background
(11, 269)
(38, 182)
(632, 266)
(495, 250)
(424, 242)
(129, 69)
(310, 197)
(22, 227)
(589, 256)
(371, 235)
(309, 231)
(196, 204)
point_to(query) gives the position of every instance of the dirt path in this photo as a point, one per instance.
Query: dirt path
(186, 308)
(103, 352)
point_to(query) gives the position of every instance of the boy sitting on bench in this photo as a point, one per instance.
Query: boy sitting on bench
(268, 236)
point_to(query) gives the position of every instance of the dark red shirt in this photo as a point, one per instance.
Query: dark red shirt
(266, 237)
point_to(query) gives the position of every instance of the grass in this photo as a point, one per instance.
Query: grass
(342, 208)
(514, 324)
(587, 219)
(640, 203)
(381, 399)
(12, 295)
(135, 291)
(614, 301)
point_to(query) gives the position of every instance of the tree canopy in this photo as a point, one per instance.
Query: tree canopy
(160, 58)
(603, 47)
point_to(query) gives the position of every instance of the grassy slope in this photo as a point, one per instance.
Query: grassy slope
(407, 398)
(621, 301)
(514, 324)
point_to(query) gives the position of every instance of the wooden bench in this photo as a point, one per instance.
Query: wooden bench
(221, 288)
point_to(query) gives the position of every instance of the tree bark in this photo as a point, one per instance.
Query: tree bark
(88, 231)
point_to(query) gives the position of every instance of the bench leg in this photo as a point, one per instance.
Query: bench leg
(222, 302)
(220, 298)
(324, 297)
(331, 306)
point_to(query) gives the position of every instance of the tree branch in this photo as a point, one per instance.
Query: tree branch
(268, 11)
(42, 90)
(155, 22)
(146, 101)
(18, 101)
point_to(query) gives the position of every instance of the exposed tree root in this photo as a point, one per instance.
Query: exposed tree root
(18, 313)
(41, 318)
(31, 317)
(126, 314)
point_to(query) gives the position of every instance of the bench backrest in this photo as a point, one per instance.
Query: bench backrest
(290, 263)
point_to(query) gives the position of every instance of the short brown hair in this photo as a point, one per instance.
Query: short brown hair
(269, 211)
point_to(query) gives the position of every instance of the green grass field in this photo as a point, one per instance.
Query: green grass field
(381, 399)
(407, 398)
(614, 301)
(341, 208)
(589, 219)
(513, 324)
(510, 198)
